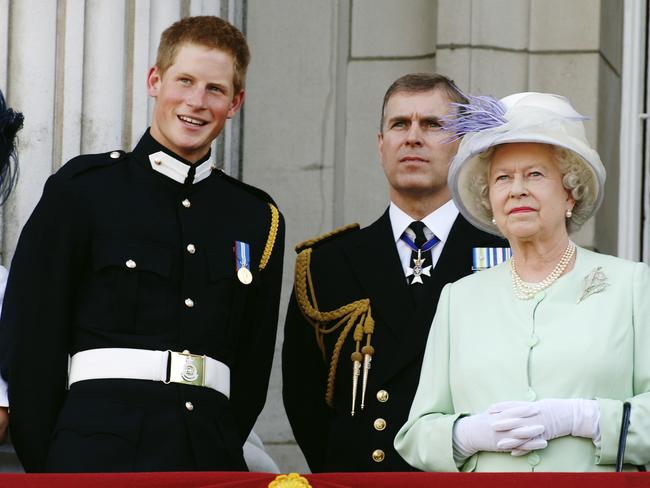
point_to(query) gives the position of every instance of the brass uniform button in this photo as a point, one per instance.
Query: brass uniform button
(189, 303)
(191, 248)
(115, 154)
(382, 396)
(130, 264)
(378, 455)
(380, 424)
(189, 406)
(186, 203)
(157, 161)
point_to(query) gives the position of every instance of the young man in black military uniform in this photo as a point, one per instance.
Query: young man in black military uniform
(159, 276)
(364, 300)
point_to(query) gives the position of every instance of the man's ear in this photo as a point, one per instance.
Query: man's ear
(153, 81)
(380, 145)
(236, 103)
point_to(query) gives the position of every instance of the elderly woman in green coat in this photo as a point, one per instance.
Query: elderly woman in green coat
(529, 364)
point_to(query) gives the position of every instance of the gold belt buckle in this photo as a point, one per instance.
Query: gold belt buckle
(186, 368)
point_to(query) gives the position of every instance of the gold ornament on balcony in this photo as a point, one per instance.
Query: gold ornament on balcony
(291, 480)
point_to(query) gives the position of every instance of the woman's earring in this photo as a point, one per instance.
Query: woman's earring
(494, 221)
(568, 214)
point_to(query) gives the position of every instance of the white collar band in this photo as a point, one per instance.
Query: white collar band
(176, 170)
(439, 222)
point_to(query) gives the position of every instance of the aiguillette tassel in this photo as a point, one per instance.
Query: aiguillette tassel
(367, 351)
(356, 370)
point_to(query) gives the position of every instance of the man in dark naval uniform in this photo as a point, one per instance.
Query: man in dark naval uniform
(364, 300)
(159, 276)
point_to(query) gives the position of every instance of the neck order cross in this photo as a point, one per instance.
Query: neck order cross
(421, 250)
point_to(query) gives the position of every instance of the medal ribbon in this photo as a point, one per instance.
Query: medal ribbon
(425, 247)
(242, 254)
(487, 257)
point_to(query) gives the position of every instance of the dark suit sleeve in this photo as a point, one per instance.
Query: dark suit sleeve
(37, 316)
(254, 359)
(304, 377)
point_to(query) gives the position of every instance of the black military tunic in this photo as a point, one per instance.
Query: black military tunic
(119, 255)
(356, 265)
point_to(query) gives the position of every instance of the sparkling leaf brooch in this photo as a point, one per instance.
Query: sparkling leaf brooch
(594, 282)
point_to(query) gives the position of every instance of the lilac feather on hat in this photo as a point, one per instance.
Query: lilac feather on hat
(482, 112)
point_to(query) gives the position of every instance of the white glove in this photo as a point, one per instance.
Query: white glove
(560, 417)
(498, 431)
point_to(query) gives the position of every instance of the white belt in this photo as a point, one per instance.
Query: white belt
(142, 364)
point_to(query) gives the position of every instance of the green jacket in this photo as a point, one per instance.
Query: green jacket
(487, 346)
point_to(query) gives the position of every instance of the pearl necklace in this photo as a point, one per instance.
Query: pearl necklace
(526, 291)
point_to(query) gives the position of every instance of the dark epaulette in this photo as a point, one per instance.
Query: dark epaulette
(249, 188)
(317, 241)
(88, 162)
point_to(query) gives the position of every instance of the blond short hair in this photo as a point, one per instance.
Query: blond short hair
(208, 31)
